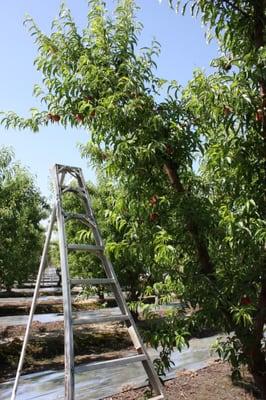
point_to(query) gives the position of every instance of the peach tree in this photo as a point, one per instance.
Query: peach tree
(146, 133)
(132, 242)
(231, 107)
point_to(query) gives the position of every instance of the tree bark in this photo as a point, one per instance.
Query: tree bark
(100, 294)
(259, 41)
(206, 266)
(257, 362)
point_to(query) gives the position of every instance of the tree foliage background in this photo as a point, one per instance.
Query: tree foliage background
(209, 223)
(21, 210)
(132, 243)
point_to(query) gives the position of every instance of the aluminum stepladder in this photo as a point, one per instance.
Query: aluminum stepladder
(59, 215)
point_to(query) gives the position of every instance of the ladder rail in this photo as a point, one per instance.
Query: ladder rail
(34, 302)
(134, 334)
(69, 341)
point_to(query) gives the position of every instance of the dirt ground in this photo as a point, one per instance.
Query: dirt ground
(106, 342)
(46, 346)
(103, 342)
(22, 307)
(210, 383)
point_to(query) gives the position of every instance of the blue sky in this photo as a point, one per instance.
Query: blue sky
(184, 48)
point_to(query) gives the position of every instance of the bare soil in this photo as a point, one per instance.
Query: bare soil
(46, 346)
(22, 307)
(210, 383)
(103, 342)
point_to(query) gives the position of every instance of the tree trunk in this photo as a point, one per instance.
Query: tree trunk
(100, 294)
(207, 267)
(134, 296)
(259, 42)
(257, 361)
(8, 289)
(257, 364)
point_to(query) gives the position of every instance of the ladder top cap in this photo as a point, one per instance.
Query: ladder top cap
(61, 167)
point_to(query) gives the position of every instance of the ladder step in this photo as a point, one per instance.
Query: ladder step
(93, 281)
(110, 363)
(99, 320)
(86, 247)
(67, 168)
(72, 189)
(87, 220)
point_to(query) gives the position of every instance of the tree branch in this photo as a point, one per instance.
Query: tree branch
(207, 267)
(236, 8)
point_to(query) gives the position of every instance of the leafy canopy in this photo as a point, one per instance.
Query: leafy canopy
(21, 210)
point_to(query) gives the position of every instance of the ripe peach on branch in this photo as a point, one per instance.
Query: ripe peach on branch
(153, 217)
(169, 149)
(79, 117)
(245, 301)
(56, 118)
(153, 200)
(53, 117)
(88, 98)
(92, 114)
(259, 115)
(227, 111)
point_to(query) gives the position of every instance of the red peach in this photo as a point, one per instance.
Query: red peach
(245, 300)
(79, 117)
(259, 115)
(153, 217)
(153, 200)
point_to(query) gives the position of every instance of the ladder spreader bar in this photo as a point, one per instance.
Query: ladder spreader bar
(99, 320)
(86, 247)
(72, 189)
(110, 363)
(93, 281)
(67, 168)
(85, 219)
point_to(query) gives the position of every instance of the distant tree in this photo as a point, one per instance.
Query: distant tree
(21, 210)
